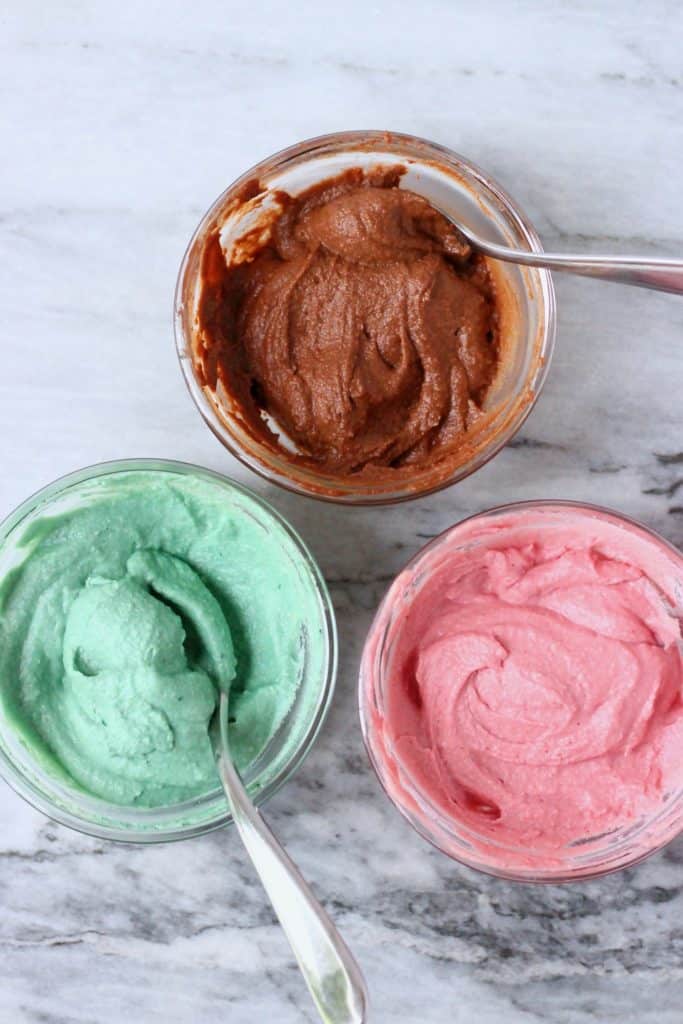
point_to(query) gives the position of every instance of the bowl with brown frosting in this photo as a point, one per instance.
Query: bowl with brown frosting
(339, 335)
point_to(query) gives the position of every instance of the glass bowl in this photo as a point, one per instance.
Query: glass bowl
(68, 804)
(584, 857)
(464, 193)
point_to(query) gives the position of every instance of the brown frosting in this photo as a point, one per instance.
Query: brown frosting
(364, 326)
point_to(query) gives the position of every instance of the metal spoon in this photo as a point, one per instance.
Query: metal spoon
(663, 275)
(333, 977)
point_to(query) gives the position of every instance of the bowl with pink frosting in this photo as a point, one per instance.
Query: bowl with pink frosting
(521, 692)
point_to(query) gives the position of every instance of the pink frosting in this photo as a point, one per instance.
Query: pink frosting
(534, 687)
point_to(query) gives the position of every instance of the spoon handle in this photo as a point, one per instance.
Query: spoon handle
(333, 977)
(662, 275)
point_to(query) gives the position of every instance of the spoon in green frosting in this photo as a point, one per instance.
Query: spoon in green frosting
(329, 968)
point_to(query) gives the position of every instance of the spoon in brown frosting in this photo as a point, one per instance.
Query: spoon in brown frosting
(663, 275)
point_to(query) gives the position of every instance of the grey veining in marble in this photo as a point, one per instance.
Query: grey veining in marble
(120, 124)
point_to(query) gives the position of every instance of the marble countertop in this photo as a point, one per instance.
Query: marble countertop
(120, 124)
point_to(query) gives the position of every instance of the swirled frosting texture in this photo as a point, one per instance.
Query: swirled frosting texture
(365, 326)
(535, 684)
(128, 615)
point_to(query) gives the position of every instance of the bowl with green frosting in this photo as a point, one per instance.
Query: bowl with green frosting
(131, 594)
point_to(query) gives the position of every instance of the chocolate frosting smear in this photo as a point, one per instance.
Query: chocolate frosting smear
(364, 325)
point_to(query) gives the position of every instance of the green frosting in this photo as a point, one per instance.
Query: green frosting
(128, 614)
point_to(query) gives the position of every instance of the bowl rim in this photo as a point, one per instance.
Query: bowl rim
(535, 875)
(452, 161)
(153, 831)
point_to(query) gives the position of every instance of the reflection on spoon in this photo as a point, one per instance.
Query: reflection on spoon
(663, 275)
(333, 977)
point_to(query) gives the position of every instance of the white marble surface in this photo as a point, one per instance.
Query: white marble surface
(120, 123)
